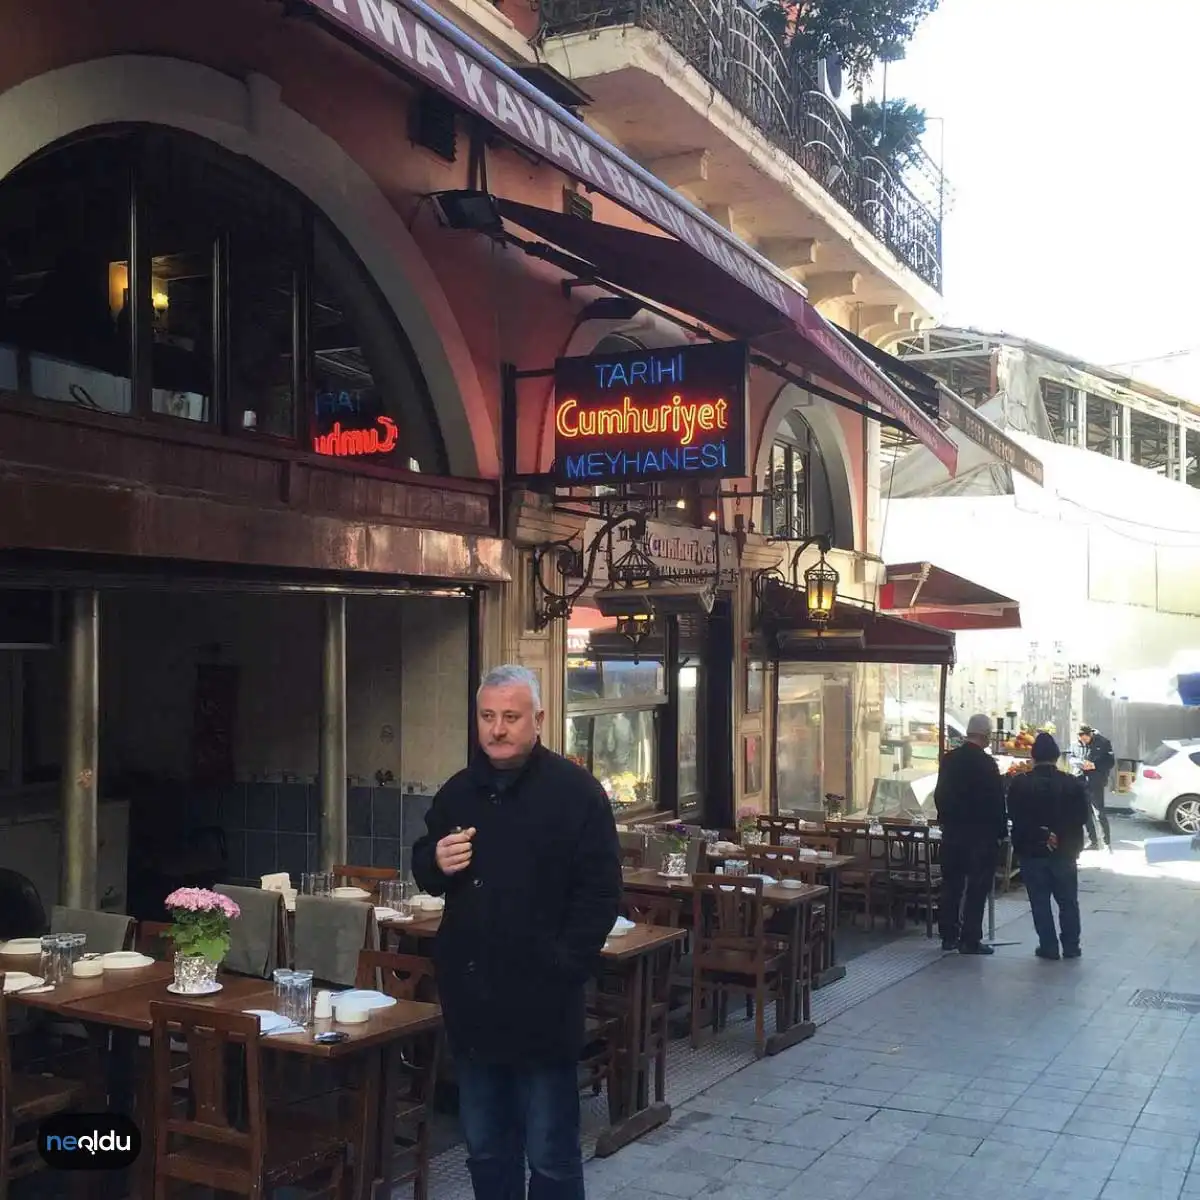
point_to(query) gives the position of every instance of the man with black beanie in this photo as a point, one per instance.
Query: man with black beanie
(1049, 809)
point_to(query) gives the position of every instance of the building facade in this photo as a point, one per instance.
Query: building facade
(283, 288)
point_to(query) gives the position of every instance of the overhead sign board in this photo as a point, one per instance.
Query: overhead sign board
(648, 415)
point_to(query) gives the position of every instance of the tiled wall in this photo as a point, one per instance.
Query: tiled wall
(274, 826)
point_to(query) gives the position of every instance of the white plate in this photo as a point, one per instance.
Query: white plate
(22, 947)
(621, 928)
(664, 875)
(390, 914)
(211, 990)
(361, 998)
(431, 904)
(125, 960)
(350, 893)
(792, 883)
(19, 981)
(268, 1021)
(768, 880)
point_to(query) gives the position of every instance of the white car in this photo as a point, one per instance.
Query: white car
(1167, 787)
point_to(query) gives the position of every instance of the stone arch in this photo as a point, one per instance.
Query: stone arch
(827, 431)
(248, 118)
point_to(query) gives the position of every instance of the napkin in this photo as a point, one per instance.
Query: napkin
(277, 881)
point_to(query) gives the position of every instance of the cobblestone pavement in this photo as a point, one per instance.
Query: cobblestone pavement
(1004, 1077)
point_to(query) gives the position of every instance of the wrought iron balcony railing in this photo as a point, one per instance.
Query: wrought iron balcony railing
(728, 44)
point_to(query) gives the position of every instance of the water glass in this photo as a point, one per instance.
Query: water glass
(875, 829)
(316, 883)
(76, 944)
(282, 977)
(52, 960)
(791, 840)
(301, 997)
(736, 866)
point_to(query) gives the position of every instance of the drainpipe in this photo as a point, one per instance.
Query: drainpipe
(332, 765)
(80, 753)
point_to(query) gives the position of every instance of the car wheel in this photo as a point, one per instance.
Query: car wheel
(1184, 814)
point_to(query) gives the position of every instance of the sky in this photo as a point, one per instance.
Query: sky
(1071, 143)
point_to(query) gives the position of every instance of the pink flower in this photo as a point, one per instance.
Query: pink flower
(202, 900)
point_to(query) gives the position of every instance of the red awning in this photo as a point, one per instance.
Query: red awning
(934, 596)
(672, 274)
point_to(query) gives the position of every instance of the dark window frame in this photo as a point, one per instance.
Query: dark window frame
(136, 163)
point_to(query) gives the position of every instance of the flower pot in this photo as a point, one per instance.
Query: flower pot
(674, 864)
(194, 973)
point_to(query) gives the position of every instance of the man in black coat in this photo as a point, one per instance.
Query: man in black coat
(970, 807)
(524, 847)
(1049, 809)
(1098, 761)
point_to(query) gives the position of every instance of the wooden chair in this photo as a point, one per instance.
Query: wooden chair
(25, 1101)
(259, 937)
(203, 1146)
(106, 932)
(408, 977)
(782, 862)
(149, 938)
(633, 856)
(915, 872)
(869, 879)
(777, 825)
(652, 908)
(367, 878)
(732, 952)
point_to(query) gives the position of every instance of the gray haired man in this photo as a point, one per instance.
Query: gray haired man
(970, 808)
(523, 846)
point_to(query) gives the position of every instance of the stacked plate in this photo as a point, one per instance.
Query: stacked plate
(22, 948)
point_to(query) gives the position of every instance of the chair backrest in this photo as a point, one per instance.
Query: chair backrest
(106, 932)
(329, 936)
(913, 851)
(22, 913)
(404, 976)
(150, 939)
(782, 862)
(650, 908)
(237, 1148)
(727, 914)
(367, 878)
(817, 841)
(258, 938)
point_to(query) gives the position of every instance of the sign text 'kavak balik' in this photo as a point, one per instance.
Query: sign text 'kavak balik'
(647, 415)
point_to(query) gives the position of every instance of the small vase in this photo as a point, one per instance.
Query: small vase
(194, 973)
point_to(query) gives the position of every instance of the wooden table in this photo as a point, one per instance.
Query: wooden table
(791, 1029)
(830, 869)
(120, 1001)
(639, 958)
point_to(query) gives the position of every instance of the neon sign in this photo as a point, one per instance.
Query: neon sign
(651, 414)
(353, 443)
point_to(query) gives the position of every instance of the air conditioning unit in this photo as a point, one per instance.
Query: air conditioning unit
(829, 77)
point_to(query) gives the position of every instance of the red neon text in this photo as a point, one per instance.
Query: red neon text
(617, 420)
(349, 443)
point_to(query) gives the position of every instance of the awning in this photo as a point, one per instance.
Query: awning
(672, 274)
(411, 35)
(937, 597)
(855, 634)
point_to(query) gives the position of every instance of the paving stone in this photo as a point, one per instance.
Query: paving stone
(770, 1177)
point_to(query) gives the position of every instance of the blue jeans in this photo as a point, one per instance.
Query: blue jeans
(511, 1114)
(1058, 878)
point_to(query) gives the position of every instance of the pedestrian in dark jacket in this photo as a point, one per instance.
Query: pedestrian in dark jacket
(524, 847)
(1098, 761)
(1049, 809)
(970, 807)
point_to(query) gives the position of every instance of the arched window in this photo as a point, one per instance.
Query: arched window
(146, 272)
(801, 503)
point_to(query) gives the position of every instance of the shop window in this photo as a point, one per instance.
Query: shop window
(252, 314)
(613, 680)
(689, 738)
(620, 750)
(64, 300)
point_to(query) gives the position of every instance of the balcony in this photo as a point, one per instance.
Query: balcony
(735, 53)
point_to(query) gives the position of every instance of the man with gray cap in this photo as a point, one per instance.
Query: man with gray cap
(970, 807)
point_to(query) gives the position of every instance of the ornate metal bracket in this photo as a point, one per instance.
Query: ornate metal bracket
(573, 561)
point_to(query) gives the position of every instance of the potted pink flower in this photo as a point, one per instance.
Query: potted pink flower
(200, 932)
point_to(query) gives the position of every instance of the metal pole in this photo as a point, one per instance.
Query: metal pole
(80, 753)
(332, 763)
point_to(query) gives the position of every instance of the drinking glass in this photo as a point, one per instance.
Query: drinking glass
(736, 866)
(76, 945)
(323, 883)
(282, 978)
(301, 997)
(50, 960)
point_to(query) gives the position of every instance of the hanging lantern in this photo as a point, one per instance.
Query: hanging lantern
(636, 628)
(820, 591)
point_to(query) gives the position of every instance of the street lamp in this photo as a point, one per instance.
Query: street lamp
(820, 581)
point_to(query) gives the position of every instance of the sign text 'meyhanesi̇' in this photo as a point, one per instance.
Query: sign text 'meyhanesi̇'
(647, 415)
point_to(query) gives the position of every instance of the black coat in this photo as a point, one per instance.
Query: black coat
(525, 922)
(1047, 799)
(1100, 754)
(970, 796)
